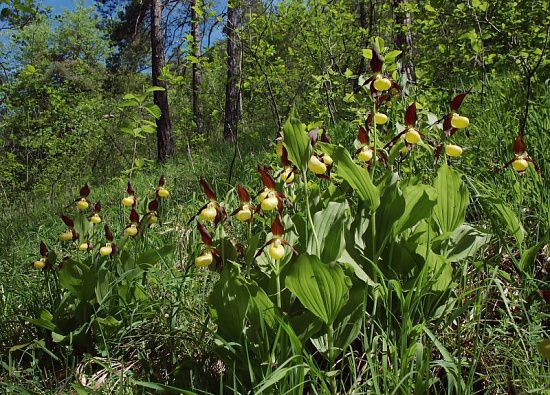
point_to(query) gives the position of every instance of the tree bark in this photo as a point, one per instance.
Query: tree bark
(165, 140)
(232, 82)
(404, 39)
(196, 78)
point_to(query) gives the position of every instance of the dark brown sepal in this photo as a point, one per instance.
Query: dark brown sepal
(363, 136)
(244, 197)
(43, 249)
(208, 191)
(410, 115)
(85, 191)
(277, 226)
(284, 158)
(134, 216)
(221, 214)
(519, 145)
(108, 233)
(205, 235)
(153, 205)
(376, 61)
(267, 179)
(68, 221)
(457, 101)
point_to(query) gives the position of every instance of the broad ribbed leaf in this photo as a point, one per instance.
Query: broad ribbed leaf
(453, 198)
(464, 242)
(321, 288)
(357, 177)
(329, 224)
(296, 141)
(78, 279)
(229, 303)
(419, 201)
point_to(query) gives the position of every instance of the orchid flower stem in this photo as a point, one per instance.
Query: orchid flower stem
(249, 237)
(331, 357)
(276, 268)
(310, 219)
(373, 213)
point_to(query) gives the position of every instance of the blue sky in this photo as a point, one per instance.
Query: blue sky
(58, 5)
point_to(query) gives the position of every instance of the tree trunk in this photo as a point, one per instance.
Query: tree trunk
(196, 79)
(404, 39)
(165, 140)
(232, 82)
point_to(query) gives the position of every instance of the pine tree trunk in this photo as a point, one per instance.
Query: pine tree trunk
(404, 39)
(165, 140)
(196, 79)
(232, 82)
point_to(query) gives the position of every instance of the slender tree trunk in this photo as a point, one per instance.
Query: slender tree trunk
(165, 140)
(232, 82)
(196, 79)
(404, 39)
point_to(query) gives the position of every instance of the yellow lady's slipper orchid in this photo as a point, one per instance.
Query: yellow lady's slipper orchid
(382, 83)
(520, 164)
(277, 250)
(453, 150)
(380, 118)
(365, 154)
(82, 204)
(327, 160)
(106, 250)
(287, 175)
(163, 193)
(128, 201)
(270, 202)
(412, 136)
(203, 260)
(40, 264)
(131, 230)
(83, 247)
(459, 122)
(208, 213)
(66, 236)
(316, 166)
(279, 148)
(95, 219)
(244, 214)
